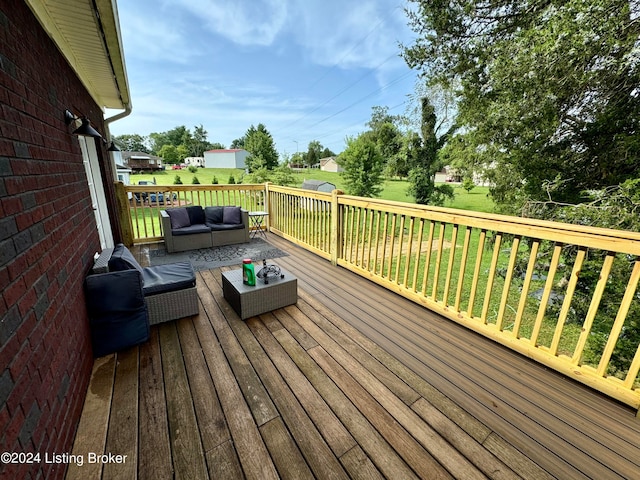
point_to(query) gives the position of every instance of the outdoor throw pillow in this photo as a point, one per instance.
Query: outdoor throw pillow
(213, 214)
(196, 215)
(179, 218)
(231, 216)
(122, 259)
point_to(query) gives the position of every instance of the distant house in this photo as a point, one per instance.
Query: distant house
(231, 158)
(318, 186)
(194, 161)
(142, 162)
(330, 164)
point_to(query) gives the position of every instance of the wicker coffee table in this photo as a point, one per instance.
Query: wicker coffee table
(251, 301)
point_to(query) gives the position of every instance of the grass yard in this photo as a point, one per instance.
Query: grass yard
(477, 200)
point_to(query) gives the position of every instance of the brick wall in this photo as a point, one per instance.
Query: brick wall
(47, 240)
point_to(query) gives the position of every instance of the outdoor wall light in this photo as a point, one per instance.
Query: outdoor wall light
(113, 147)
(85, 129)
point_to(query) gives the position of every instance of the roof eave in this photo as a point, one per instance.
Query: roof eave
(100, 65)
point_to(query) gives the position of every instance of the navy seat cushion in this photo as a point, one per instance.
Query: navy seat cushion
(231, 216)
(196, 215)
(179, 218)
(213, 214)
(225, 226)
(168, 278)
(191, 229)
(122, 259)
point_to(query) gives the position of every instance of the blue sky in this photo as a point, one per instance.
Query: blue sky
(306, 69)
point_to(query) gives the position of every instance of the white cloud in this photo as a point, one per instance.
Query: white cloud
(350, 35)
(152, 36)
(245, 22)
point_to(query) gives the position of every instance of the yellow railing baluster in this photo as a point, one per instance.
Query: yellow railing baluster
(452, 256)
(427, 260)
(463, 267)
(490, 278)
(407, 266)
(546, 294)
(436, 272)
(533, 256)
(400, 254)
(391, 246)
(507, 282)
(416, 266)
(476, 273)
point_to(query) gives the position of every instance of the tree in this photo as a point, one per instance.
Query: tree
(132, 143)
(314, 153)
(326, 152)
(385, 132)
(363, 166)
(262, 151)
(238, 142)
(169, 154)
(199, 144)
(545, 89)
(425, 162)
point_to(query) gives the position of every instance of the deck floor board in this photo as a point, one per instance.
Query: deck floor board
(353, 381)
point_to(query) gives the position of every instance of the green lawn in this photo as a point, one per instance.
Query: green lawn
(476, 200)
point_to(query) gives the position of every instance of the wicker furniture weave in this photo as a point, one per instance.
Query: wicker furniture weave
(251, 301)
(161, 307)
(193, 241)
(164, 307)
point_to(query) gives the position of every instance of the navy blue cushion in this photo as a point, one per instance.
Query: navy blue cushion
(117, 311)
(232, 216)
(122, 259)
(168, 278)
(216, 227)
(213, 214)
(191, 229)
(179, 218)
(196, 215)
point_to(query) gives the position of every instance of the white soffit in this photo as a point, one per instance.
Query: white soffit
(87, 32)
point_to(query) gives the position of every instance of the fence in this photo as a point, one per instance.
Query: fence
(140, 205)
(564, 295)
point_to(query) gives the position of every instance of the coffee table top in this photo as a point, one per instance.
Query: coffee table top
(235, 278)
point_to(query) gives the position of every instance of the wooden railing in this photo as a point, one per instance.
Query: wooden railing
(541, 288)
(140, 205)
(544, 289)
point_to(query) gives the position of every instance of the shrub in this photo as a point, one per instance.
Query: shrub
(192, 169)
(195, 180)
(215, 180)
(177, 180)
(232, 180)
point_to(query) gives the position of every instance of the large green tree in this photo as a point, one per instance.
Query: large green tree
(261, 147)
(363, 166)
(425, 162)
(314, 153)
(132, 143)
(546, 89)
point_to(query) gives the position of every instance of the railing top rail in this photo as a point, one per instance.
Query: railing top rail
(188, 188)
(603, 238)
(301, 192)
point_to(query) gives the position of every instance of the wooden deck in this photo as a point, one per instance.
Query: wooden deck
(352, 382)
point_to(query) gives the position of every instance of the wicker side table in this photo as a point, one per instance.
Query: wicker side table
(251, 301)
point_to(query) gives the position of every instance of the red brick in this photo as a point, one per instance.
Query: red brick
(14, 292)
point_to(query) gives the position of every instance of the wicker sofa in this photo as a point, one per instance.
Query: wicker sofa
(169, 290)
(193, 227)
